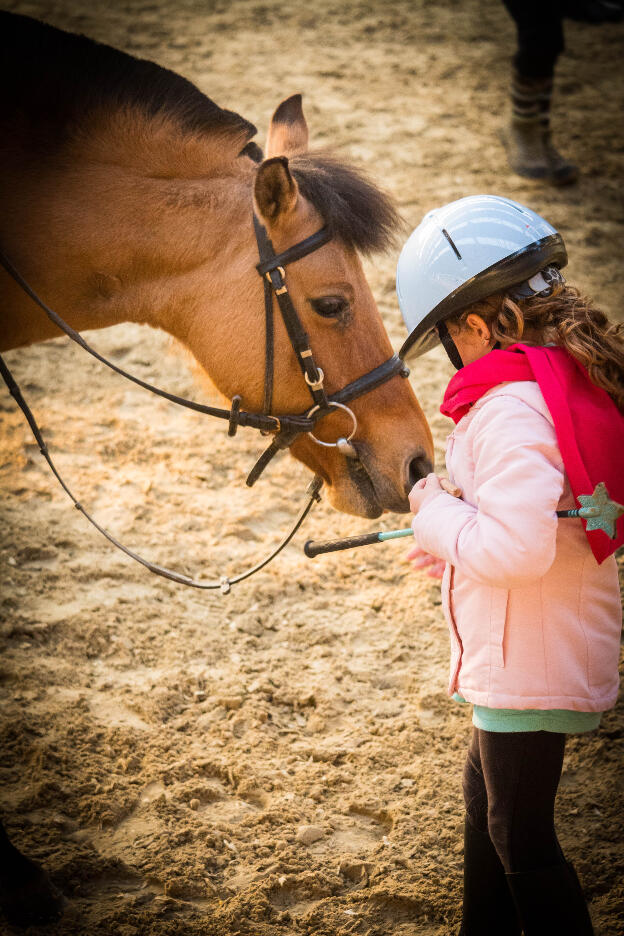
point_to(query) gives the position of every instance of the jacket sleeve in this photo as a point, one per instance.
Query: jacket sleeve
(509, 537)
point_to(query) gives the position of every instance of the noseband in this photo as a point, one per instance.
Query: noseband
(285, 427)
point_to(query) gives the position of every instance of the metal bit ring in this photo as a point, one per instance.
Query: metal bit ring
(342, 438)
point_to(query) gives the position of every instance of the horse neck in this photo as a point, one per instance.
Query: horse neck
(188, 239)
(203, 288)
(109, 243)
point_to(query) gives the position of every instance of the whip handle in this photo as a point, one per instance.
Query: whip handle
(312, 549)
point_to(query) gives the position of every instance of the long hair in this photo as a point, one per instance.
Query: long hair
(566, 319)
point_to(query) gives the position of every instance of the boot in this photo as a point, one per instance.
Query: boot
(550, 901)
(488, 908)
(527, 137)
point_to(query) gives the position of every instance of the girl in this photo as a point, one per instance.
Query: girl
(532, 604)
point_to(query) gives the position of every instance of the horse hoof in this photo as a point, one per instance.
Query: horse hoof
(30, 899)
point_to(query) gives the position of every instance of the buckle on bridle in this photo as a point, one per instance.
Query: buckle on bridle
(315, 384)
(234, 412)
(279, 290)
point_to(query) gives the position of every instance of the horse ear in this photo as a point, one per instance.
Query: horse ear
(288, 132)
(275, 191)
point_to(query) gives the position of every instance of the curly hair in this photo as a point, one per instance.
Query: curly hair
(565, 318)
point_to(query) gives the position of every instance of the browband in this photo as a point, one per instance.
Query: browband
(296, 252)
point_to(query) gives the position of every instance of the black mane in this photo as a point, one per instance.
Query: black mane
(56, 79)
(357, 212)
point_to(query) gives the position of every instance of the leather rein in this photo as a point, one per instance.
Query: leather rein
(285, 427)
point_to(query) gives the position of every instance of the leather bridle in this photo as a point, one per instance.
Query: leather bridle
(272, 269)
(285, 427)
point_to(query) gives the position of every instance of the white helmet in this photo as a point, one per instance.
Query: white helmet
(465, 251)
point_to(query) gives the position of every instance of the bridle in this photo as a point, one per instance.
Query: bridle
(285, 427)
(272, 269)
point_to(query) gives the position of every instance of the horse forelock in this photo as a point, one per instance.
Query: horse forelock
(64, 84)
(355, 209)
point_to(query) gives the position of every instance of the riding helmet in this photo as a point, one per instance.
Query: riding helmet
(468, 250)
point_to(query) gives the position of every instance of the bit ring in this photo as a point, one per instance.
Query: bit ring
(338, 406)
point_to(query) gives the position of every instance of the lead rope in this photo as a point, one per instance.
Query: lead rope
(225, 582)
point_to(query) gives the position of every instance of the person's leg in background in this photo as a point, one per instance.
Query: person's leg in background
(527, 136)
(521, 772)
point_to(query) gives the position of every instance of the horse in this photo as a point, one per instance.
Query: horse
(130, 196)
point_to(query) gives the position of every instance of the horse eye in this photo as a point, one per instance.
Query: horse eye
(330, 306)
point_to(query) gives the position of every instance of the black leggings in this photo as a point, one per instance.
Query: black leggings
(510, 783)
(540, 35)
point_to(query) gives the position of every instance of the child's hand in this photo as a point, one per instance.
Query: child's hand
(428, 487)
(424, 560)
(423, 491)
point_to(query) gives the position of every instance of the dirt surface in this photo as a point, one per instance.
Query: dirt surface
(283, 760)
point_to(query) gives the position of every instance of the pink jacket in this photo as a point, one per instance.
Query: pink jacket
(534, 620)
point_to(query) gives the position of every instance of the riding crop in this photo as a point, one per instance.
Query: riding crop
(597, 509)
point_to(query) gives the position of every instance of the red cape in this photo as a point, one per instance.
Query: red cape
(588, 424)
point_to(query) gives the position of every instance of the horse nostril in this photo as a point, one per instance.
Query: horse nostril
(418, 468)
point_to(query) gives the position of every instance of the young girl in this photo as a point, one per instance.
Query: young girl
(532, 602)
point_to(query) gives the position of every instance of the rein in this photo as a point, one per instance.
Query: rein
(285, 427)
(224, 583)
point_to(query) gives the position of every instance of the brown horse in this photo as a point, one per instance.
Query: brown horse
(127, 196)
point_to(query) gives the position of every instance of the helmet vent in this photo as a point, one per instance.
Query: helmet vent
(452, 243)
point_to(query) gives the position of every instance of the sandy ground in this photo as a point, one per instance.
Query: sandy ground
(163, 748)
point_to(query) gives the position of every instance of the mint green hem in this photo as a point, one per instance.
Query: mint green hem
(562, 721)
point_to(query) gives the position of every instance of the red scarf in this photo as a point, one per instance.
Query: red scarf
(588, 424)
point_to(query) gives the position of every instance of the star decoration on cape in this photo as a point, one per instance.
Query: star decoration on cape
(604, 511)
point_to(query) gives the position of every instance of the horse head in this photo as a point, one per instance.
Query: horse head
(295, 194)
(135, 202)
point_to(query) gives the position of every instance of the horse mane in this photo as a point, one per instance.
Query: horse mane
(55, 85)
(357, 212)
(58, 80)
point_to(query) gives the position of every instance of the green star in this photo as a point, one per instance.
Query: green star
(599, 511)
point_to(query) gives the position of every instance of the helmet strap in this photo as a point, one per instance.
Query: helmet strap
(449, 346)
